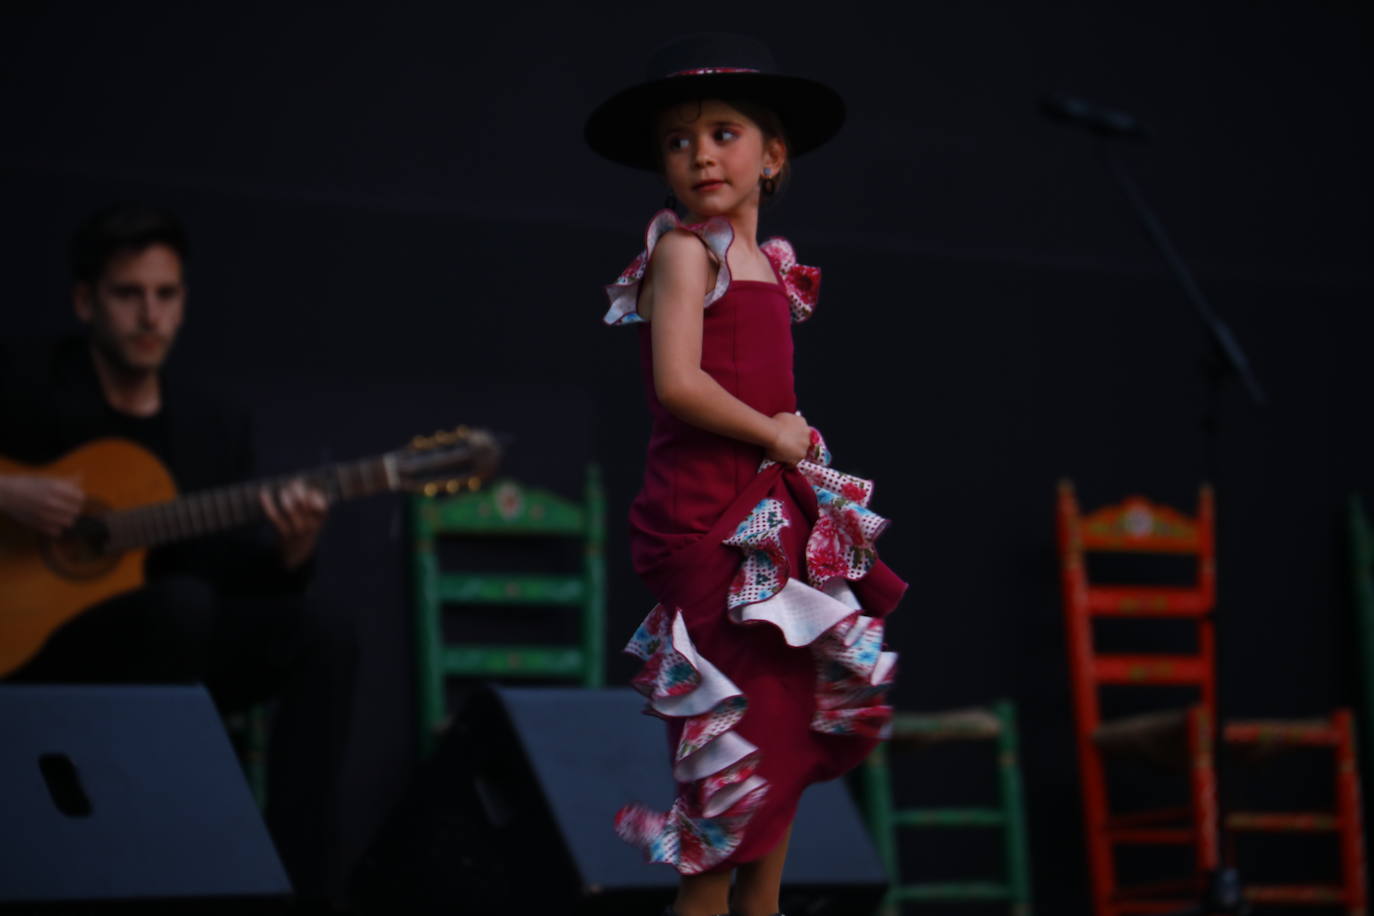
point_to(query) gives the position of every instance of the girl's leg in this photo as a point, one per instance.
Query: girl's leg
(759, 883)
(703, 895)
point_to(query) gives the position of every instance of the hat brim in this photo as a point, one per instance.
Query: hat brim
(621, 128)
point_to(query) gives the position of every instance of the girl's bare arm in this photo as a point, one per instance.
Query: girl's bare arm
(681, 271)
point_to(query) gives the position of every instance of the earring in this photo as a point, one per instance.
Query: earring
(670, 202)
(768, 184)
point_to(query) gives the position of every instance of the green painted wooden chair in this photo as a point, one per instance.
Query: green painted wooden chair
(505, 510)
(911, 731)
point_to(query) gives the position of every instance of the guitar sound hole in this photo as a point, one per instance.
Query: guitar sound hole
(80, 551)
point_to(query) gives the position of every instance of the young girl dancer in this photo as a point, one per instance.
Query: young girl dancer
(764, 655)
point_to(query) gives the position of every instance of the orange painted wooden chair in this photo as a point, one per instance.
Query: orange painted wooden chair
(1182, 736)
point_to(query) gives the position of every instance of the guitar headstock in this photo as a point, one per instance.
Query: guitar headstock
(449, 461)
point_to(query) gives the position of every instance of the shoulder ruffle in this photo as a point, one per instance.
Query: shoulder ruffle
(716, 233)
(801, 283)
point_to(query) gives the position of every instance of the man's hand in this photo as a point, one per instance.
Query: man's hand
(47, 505)
(298, 514)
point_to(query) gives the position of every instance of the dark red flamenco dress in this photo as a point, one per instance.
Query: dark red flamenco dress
(765, 653)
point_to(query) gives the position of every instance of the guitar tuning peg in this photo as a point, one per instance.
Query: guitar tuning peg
(474, 483)
(453, 486)
(422, 442)
(431, 489)
(462, 432)
(444, 437)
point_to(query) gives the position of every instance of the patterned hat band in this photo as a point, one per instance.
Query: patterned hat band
(701, 71)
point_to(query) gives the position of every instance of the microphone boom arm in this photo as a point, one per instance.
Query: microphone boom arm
(1221, 334)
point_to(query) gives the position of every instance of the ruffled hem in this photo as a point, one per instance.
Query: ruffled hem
(706, 823)
(853, 671)
(694, 843)
(800, 282)
(713, 763)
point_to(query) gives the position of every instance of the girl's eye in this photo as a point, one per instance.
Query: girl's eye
(676, 143)
(725, 134)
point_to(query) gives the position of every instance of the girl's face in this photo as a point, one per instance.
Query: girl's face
(713, 157)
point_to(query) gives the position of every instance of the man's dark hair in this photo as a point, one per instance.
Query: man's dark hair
(119, 228)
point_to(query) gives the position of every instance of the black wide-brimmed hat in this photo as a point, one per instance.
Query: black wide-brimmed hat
(712, 66)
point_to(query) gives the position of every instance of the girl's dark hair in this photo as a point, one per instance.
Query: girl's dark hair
(119, 228)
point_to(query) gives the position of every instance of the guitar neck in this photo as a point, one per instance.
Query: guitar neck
(222, 508)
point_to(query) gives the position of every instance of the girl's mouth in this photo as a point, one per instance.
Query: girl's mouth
(708, 185)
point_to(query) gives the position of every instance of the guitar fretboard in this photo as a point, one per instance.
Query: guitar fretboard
(219, 509)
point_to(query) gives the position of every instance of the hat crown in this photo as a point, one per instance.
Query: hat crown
(710, 51)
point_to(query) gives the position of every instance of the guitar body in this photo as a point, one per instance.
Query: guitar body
(45, 582)
(132, 502)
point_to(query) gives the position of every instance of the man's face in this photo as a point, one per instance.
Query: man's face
(135, 307)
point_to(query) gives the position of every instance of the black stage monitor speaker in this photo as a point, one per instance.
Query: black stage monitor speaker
(515, 811)
(126, 796)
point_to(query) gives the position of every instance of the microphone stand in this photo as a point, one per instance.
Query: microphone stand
(1223, 892)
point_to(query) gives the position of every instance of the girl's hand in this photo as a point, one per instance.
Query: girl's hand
(791, 438)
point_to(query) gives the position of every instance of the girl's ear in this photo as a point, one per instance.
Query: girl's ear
(774, 154)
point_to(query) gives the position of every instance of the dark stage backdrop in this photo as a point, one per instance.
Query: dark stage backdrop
(396, 228)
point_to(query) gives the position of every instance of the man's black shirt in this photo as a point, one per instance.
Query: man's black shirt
(51, 402)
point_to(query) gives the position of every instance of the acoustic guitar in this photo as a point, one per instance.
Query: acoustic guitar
(132, 505)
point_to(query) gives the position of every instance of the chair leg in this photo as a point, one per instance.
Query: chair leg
(248, 733)
(429, 675)
(1203, 784)
(1101, 865)
(594, 610)
(1014, 810)
(877, 794)
(1348, 809)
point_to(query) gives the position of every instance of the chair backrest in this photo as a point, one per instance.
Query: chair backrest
(1136, 526)
(506, 510)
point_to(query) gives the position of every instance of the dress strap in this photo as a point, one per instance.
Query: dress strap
(716, 234)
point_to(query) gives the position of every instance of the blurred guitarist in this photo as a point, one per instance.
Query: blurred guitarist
(226, 610)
